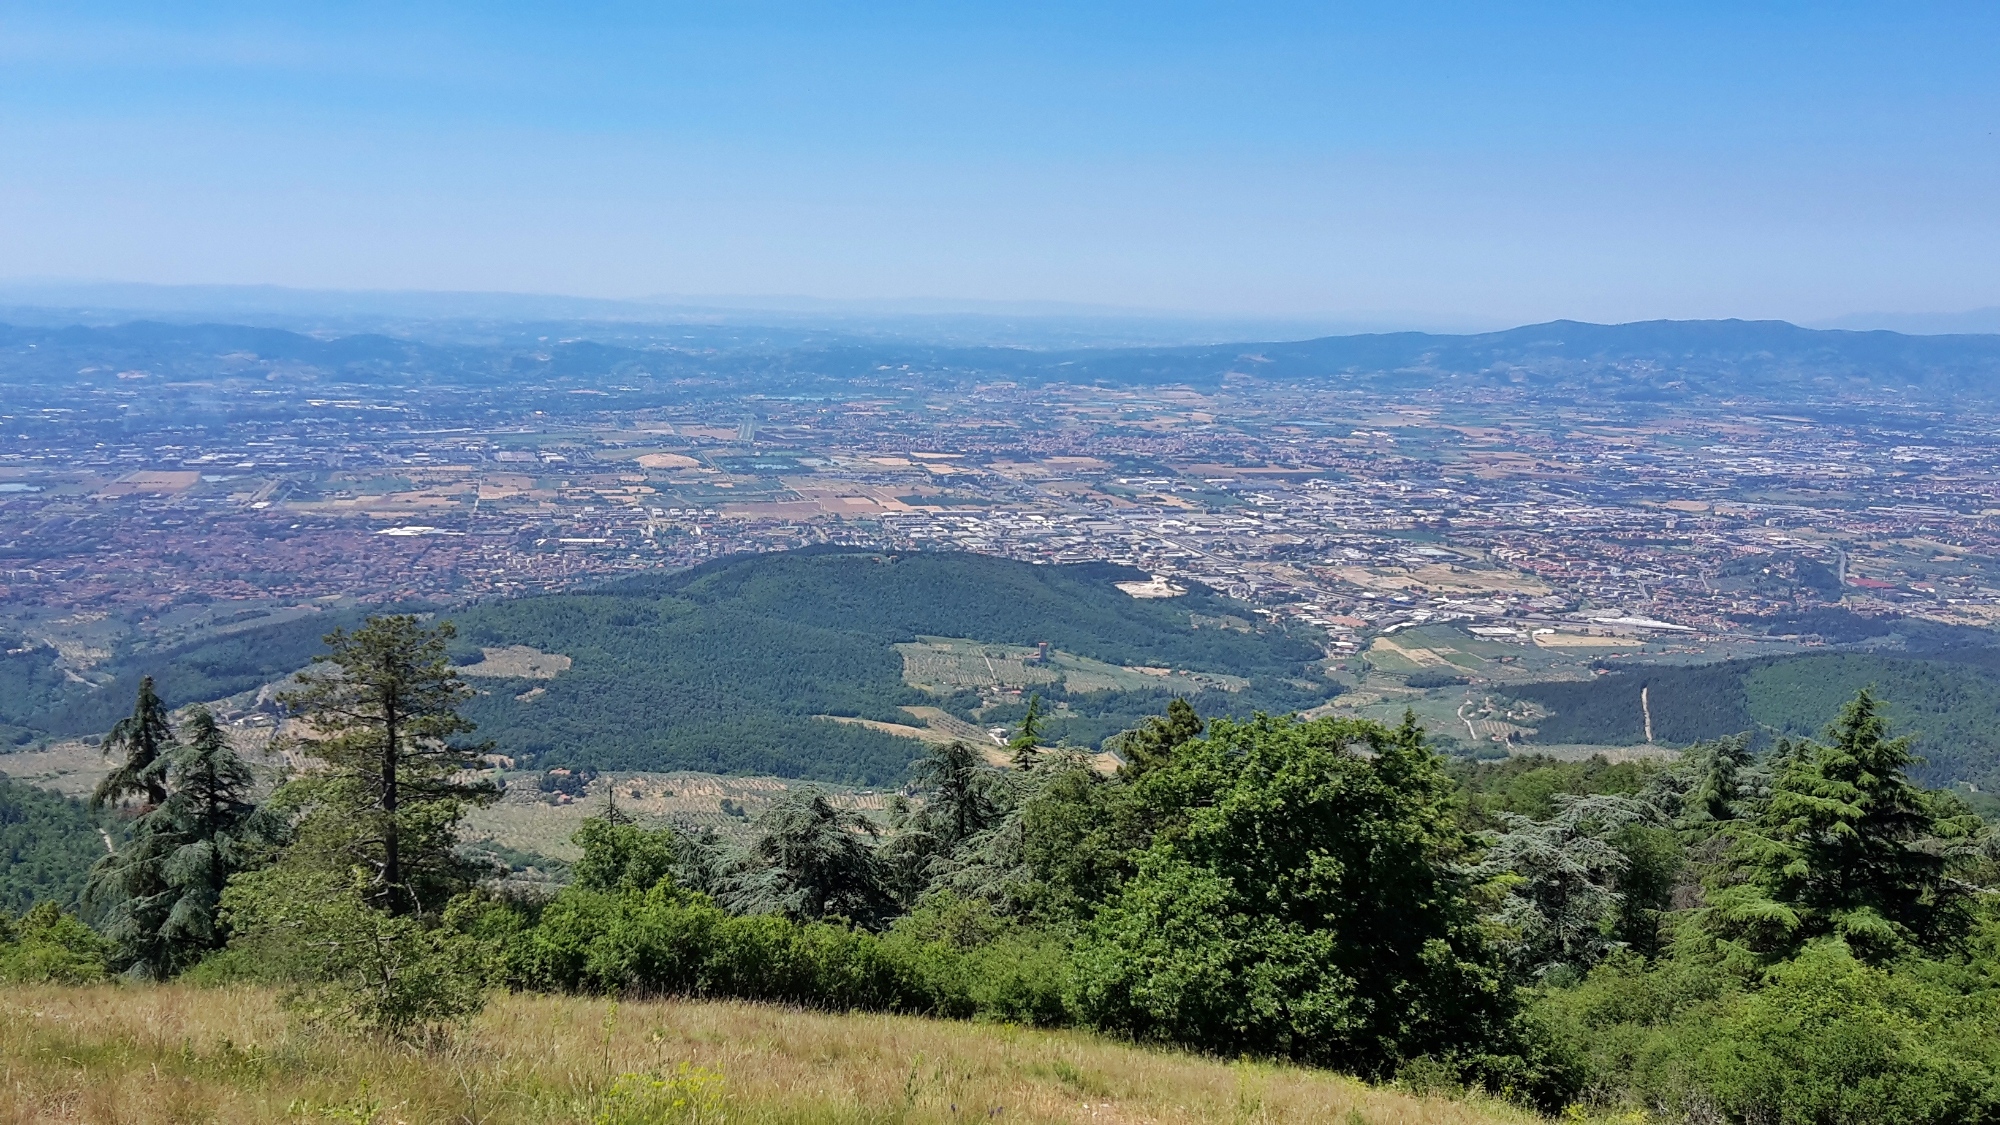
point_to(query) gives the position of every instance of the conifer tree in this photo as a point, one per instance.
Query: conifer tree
(1026, 743)
(138, 739)
(820, 862)
(959, 794)
(1847, 847)
(168, 880)
(1149, 745)
(209, 817)
(1718, 794)
(381, 710)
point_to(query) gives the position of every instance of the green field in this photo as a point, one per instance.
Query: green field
(943, 665)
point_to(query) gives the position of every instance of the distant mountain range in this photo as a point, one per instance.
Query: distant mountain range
(1659, 358)
(1969, 322)
(1035, 324)
(1651, 360)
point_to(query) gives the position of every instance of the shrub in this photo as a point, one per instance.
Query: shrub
(49, 946)
(1822, 1038)
(671, 941)
(972, 963)
(350, 965)
(1831, 1039)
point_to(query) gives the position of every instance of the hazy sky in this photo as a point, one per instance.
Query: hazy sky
(1468, 163)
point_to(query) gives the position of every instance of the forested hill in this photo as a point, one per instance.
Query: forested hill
(1682, 357)
(903, 596)
(1949, 702)
(729, 667)
(47, 844)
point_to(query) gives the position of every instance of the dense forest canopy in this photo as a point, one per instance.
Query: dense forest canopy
(725, 667)
(47, 844)
(732, 667)
(1949, 702)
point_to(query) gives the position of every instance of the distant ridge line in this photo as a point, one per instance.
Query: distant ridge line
(1657, 359)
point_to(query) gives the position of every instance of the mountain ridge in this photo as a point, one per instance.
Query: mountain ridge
(1659, 358)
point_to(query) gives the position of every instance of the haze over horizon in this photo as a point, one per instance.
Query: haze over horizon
(1467, 168)
(1028, 323)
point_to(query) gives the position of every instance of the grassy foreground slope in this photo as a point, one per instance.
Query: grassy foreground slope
(140, 1055)
(723, 668)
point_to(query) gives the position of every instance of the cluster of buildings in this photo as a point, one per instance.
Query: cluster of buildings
(1354, 513)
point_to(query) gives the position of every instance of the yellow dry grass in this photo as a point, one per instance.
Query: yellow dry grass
(1584, 640)
(174, 1054)
(1415, 654)
(900, 730)
(523, 662)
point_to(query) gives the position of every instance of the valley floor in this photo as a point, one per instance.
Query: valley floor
(170, 1054)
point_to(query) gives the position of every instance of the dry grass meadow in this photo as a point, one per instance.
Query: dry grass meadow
(175, 1054)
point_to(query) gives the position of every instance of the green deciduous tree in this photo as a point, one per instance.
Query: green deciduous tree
(47, 945)
(381, 710)
(348, 963)
(621, 856)
(1302, 896)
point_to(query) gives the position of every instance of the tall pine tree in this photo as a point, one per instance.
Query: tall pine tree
(1026, 744)
(381, 710)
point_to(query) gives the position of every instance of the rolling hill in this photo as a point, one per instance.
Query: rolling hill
(742, 665)
(733, 667)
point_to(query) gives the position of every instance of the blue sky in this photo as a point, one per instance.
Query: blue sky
(1442, 164)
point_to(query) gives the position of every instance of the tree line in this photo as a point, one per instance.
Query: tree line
(1806, 935)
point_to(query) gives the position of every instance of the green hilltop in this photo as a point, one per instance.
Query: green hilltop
(734, 667)
(743, 665)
